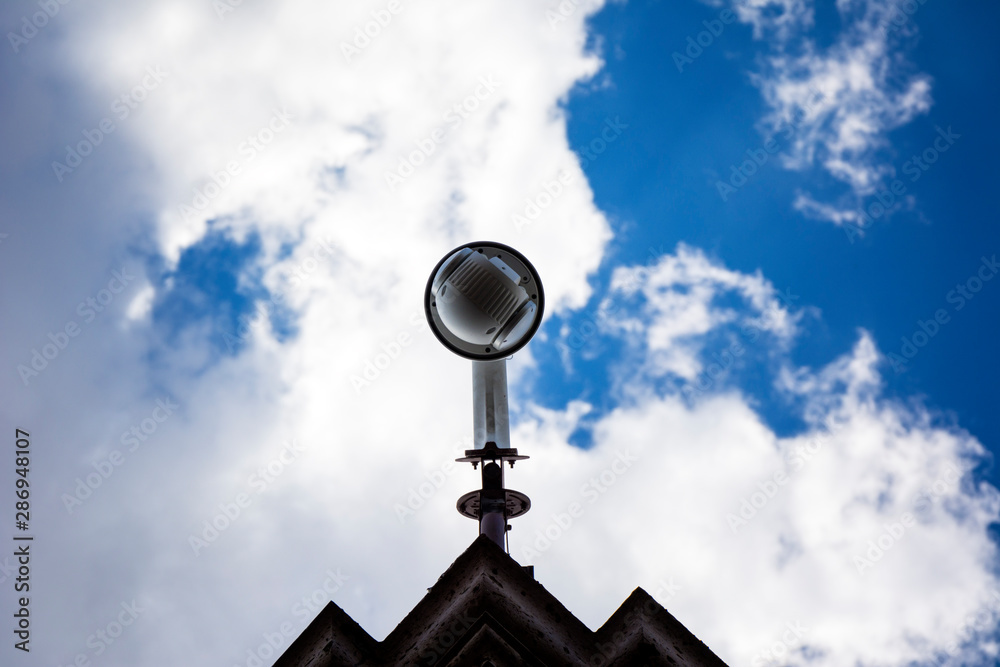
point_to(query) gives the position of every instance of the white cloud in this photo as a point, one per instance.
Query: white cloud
(833, 106)
(261, 127)
(775, 19)
(817, 210)
(680, 297)
(865, 529)
(141, 303)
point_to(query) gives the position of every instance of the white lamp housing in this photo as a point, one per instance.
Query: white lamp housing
(484, 301)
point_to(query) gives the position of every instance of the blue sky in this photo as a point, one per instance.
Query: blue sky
(219, 219)
(685, 128)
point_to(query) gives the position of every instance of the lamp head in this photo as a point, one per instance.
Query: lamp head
(484, 301)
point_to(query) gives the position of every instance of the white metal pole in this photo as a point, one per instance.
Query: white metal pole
(490, 421)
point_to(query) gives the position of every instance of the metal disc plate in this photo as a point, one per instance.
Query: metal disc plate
(517, 504)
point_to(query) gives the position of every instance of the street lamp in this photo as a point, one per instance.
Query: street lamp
(484, 301)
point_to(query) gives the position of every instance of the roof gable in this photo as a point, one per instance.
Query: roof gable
(486, 607)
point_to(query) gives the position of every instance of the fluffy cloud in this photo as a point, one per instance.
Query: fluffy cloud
(860, 538)
(775, 19)
(835, 105)
(679, 306)
(302, 166)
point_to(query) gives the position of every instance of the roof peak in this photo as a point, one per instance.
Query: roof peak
(485, 603)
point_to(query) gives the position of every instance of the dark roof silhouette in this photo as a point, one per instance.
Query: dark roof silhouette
(488, 611)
